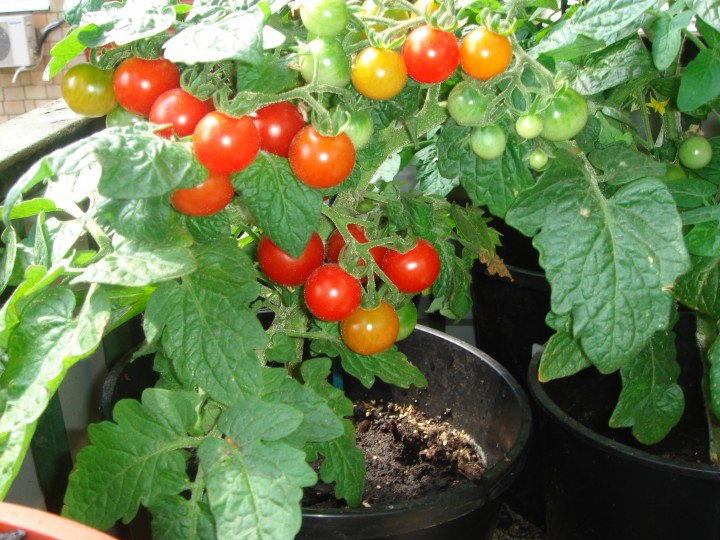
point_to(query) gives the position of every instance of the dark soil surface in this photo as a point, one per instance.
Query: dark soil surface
(407, 455)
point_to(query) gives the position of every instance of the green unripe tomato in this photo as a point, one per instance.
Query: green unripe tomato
(324, 18)
(529, 126)
(488, 142)
(673, 172)
(408, 316)
(537, 159)
(565, 116)
(467, 104)
(359, 127)
(695, 152)
(325, 60)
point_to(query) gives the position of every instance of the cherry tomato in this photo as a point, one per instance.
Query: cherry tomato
(467, 104)
(225, 144)
(319, 161)
(336, 243)
(673, 172)
(205, 199)
(565, 116)
(277, 124)
(88, 90)
(359, 127)
(484, 54)
(138, 83)
(413, 271)
(324, 18)
(286, 270)
(369, 7)
(529, 126)
(181, 109)
(331, 294)
(378, 73)
(488, 142)
(324, 61)
(428, 7)
(430, 55)
(695, 152)
(370, 331)
(537, 159)
(407, 314)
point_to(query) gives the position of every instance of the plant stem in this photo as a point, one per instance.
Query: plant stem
(706, 336)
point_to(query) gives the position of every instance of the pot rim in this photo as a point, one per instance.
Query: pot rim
(614, 448)
(484, 489)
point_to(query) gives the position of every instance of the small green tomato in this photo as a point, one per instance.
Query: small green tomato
(488, 142)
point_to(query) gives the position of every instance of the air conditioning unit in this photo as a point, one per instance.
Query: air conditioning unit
(17, 41)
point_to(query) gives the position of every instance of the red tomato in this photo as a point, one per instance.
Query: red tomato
(225, 144)
(430, 55)
(277, 124)
(336, 243)
(205, 199)
(180, 109)
(331, 294)
(138, 83)
(370, 331)
(319, 161)
(484, 54)
(414, 271)
(286, 270)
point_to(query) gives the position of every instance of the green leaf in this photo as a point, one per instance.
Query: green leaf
(700, 82)
(561, 357)
(707, 10)
(287, 210)
(176, 517)
(622, 164)
(699, 288)
(713, 355)
(316, 372)
(493, 183)
(430, 181)
(50, 337)
(451, 289)
(271, 76)
(207, 327)
(63, 52)
(711, 34)
(73, 10)
(390, 366)
(31, 208)
(344, 464)
(704, 239)
(136, 460)
(135, 264)
(123, 23)
(255, 489)
(594, 26)
(651, 402)
(711, 172)
(235, 37)
(252, 419)
(9, 237)
(668, 38)
(692, 192)
(147, 220)
(610, 261)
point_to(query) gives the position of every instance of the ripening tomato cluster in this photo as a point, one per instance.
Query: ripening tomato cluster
(332, 294)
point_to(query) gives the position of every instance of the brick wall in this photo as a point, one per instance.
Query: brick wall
(29, 90)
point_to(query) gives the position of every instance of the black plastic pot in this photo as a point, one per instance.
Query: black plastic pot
(485, 401)
(600, 484)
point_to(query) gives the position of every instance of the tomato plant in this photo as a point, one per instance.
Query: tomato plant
(285, 269)
(331, 294)
(370, 331)
(430, 55)
(277, 124)
(695, 152)
(565, 116)
(488, 142)
(88, 90)
(324, 61)
(180, 109)
(138, 83)
(205, 199)
(324, 18)
(320, 161)
(484, 54)
(225, 144)
(468, 104)
(413, 271)
(378, 73)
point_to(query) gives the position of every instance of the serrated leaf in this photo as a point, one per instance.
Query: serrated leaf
(700, 82)
(344, 464)
(390, 366)
(255, 489)
(147, 220)
(207, 228)
(610, 261)
(136, 264)
(176, 517)
(651, 402)
(73, 10)
(123, 23)
(692, 192)
(63, 52)
(622, 164)
(430, 181)
(137, 459)
(561, 357)
(707, 10)
(252, 419)
(50, 337)
(494, 183)
(287, 210)
(699, 288)
(704, 239)
(235, 37)
(451, 289)
(272, 75)
(316, 373)
(207, 328)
